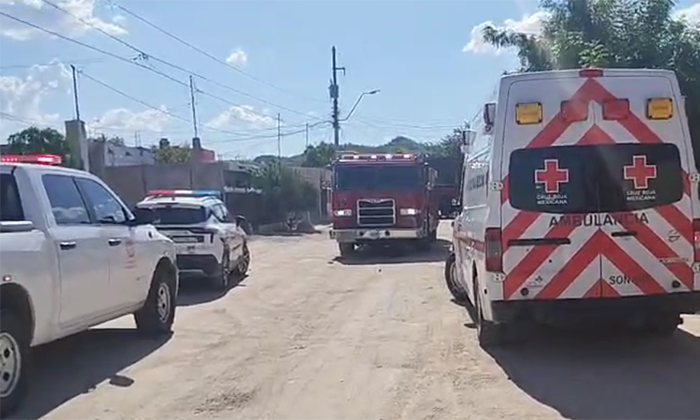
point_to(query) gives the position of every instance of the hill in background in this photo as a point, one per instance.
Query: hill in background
(399, 144)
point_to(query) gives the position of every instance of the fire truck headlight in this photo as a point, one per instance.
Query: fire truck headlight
(342, 213)
(409, 212)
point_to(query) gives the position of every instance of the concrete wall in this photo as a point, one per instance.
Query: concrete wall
(133, 182)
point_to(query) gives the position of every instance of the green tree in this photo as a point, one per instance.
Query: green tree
(448, 146)
(283, 190)
(34, 140)
(613, 33)
(172, 154)
(318, 156)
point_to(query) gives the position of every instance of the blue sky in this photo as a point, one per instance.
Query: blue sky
(422, 55)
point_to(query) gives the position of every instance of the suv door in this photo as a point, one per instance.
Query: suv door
(127, 277)
(83, 255)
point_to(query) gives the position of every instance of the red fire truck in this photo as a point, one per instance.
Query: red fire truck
(383, 199)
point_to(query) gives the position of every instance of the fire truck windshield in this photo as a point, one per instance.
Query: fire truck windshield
(378, 177)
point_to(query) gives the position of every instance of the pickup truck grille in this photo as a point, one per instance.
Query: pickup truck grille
(376, 212)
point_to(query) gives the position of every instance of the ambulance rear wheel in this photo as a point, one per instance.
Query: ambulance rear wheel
(488, 333)
(347, 249)
(663, 326)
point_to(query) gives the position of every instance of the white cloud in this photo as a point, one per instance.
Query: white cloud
(23, 97)
(125, 119)
(44, 15)
(245, 114)
(238, 56)
(691, 14)
(529, 24)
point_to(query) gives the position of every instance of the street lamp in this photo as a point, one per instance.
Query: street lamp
(357, 102)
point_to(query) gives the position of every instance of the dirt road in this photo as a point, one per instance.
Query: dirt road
(307, 337)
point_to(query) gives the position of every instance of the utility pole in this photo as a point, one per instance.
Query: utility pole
(194, 107)
(335, 94)
(307, 134)
(279, 140)
(74, 71)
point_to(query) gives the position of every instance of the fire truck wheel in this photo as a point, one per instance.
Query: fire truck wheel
(346, 249)
(432, 236)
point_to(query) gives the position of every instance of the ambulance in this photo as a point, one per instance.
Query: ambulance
(580, 204)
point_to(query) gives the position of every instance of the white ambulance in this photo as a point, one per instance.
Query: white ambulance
(580, 204)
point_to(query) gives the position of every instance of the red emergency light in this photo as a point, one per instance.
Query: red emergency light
(184, 193)
(39, 159)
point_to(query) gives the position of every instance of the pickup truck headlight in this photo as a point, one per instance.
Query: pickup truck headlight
(342, 213)
(409, 212)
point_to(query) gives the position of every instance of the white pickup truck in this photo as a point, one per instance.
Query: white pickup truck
(72, 256)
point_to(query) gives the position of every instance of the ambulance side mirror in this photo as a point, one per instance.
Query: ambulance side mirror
(468, 138)
(489, 114)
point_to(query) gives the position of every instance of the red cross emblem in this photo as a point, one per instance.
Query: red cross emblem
(551, 176)
(639, 172)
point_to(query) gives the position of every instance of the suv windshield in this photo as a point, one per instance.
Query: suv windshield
(591, 179)
(175, 215)
(371, 177)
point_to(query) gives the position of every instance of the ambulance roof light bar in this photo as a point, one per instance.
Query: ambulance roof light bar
(184, 193)
(42, 159)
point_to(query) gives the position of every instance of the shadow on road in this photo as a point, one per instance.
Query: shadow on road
(197, 290)
(397, 254)
(75, 365)
(613, 376)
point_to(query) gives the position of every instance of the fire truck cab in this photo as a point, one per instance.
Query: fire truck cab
(383, 199)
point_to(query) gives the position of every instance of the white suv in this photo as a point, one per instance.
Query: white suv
(208, 241)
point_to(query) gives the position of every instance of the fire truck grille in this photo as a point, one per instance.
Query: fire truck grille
(376, 212)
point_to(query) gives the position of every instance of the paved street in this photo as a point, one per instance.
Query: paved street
(307, 337)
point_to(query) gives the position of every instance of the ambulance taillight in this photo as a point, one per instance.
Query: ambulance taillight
(493, 248)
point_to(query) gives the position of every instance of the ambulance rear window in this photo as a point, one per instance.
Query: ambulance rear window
(591, 179)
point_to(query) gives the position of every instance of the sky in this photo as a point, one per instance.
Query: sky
(254, 60)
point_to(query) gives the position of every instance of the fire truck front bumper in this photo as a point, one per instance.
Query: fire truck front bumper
(368, 235)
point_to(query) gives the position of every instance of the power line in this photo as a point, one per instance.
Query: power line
(51, 63)
(147, 105)
(207, 54)
(125, 60)
(147, 57)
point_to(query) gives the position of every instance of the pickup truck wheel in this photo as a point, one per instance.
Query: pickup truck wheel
(14, 362)
(158, 314)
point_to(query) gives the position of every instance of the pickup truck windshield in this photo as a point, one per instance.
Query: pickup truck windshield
(10, 205)
(179, 215)
(377, 178)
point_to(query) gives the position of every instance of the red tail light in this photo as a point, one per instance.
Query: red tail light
(616, 109)
(494, 250)
(574, 111)
(696, 238)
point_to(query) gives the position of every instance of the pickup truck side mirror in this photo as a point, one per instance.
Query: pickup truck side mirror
(143, 216)
(18, 226)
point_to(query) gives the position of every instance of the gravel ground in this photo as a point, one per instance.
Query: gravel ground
(307, 337)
